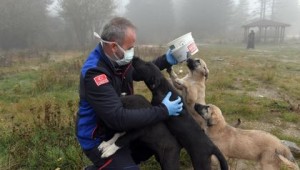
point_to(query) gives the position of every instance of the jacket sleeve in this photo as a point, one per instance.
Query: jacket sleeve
(108, 106)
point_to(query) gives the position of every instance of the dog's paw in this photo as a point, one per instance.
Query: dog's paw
(109, 150)
(169, 69)
(179, 82)
(104, 145)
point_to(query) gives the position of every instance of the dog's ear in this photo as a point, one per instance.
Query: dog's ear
(206, 71)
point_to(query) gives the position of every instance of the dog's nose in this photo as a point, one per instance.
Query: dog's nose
(199, 107)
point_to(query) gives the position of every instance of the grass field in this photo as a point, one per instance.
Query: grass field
(39, 96)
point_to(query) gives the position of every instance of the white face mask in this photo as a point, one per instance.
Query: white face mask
(128, 54)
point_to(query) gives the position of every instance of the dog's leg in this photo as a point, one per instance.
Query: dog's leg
(267, 166)
(169, 155)
(289, 163)
(108, 147)
(172, 74)
(156, 138)
(205, 164)
(190, 95)
(109, 150)
(269, 161)
(104, 144)
(124, 140)
(159, 139)
(177, 83)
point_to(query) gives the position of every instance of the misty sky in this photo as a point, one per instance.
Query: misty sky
(70, 27)
(123, 3)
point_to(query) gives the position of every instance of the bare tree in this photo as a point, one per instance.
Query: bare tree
(85, 16)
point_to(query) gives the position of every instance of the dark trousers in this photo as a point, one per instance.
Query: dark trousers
(125, 158)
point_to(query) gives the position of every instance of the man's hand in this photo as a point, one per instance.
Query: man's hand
(174, 107)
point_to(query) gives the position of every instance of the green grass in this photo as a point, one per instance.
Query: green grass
(290, 117)
(39, 96)
(14, 87)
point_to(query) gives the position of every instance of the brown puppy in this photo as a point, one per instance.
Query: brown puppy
(245, 144)
(192, 86)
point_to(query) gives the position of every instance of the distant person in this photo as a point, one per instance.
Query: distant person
(106, 75)
(251, 40)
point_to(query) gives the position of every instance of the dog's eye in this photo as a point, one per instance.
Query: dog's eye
(198, 61)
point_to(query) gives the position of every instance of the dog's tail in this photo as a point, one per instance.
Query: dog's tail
(237, 124)
(221, 158)
(290, 163)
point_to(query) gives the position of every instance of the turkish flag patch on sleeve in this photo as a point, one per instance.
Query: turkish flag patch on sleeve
(101, 79)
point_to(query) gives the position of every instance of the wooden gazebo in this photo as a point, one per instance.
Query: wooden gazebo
(268, 30)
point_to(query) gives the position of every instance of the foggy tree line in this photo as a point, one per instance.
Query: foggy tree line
(70, 23)
(22, 22)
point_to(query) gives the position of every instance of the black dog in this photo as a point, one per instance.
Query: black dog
(183, 127)
(156, 137)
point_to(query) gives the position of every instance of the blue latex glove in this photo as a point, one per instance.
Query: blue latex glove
(170, 58)
(174, 107)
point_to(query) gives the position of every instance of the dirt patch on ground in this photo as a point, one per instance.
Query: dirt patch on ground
(263, 92)
(290, 129)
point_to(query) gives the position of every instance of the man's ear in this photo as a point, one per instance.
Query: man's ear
(114, 47)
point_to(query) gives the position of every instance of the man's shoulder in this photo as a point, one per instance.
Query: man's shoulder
(94, 63)
(97, 71)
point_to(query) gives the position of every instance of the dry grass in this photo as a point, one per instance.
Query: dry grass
(39, 94)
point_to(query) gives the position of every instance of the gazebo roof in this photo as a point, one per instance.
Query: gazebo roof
(266, 23)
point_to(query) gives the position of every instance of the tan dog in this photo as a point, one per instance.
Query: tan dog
(245, 144)
(192, 86)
